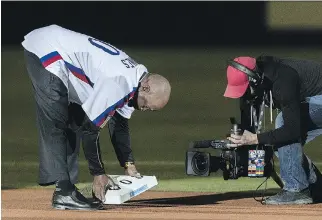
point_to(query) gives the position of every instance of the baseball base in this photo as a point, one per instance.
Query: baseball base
(130, 187)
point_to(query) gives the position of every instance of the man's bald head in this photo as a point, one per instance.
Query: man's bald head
(154, 92)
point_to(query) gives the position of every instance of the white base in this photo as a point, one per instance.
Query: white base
(130, 187)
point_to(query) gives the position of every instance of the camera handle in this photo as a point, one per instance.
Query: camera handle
(215, 144)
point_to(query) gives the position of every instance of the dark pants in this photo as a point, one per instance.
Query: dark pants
(297, 170)
(51, 96)
(58, 141)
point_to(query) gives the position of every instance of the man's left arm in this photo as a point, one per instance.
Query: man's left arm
(120, 137)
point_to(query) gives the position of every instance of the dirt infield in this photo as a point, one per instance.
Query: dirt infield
(32, 204)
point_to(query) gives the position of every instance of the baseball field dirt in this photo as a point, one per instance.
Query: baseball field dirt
(27, 204)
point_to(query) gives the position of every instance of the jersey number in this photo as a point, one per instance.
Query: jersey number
(128, 62)
(104, 46)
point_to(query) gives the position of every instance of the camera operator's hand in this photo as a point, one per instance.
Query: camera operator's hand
(247, 138)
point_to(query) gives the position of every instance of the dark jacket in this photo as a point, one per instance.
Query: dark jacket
(291, 81)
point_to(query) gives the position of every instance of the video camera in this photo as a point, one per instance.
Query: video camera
(245, 161)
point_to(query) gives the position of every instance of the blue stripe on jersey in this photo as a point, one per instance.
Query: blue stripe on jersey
(111, 110)
(48, 56)
(78, 72)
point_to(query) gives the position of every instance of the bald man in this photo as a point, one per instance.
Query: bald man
(153, 94)
(68, 67)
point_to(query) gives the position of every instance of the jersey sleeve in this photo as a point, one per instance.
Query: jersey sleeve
(126, 111)
(108, 95)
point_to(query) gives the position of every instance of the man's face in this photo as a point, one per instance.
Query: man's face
(143, 96)
(140, 101)
(143, 103)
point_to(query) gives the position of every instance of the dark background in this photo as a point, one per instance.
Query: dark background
(153, 23)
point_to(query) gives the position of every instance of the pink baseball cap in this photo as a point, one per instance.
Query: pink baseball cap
(237, 80)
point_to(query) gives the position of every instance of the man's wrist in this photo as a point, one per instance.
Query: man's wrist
(98, 173)
(128, 163)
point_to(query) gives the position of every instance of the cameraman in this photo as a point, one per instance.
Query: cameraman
(294, 87)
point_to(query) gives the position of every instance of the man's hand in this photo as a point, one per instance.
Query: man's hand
(247, 138)
(130, 170)
(101, 184)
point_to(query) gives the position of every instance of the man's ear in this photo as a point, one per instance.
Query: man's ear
(144, 86)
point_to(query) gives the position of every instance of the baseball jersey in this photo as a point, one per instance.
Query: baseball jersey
(99, 77)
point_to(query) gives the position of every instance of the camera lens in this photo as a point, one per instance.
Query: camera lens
(200, 163)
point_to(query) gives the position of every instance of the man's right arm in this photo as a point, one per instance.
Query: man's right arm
(92, 149)
(90, 137)
(287, 93)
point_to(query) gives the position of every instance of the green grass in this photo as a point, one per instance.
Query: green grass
(197, 110)
(211, 184)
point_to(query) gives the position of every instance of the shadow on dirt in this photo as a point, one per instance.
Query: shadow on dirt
(136, 205)
(205, 199)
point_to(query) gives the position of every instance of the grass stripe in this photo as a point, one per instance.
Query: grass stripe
(143, 163)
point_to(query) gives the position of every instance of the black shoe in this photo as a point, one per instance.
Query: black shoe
(316, 188)
(316, 192)
(290, 198)
(95, 199)
(73, 200)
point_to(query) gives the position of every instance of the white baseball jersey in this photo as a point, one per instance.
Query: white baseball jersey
(99, 76)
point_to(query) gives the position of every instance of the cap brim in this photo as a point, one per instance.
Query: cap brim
(235, 92)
